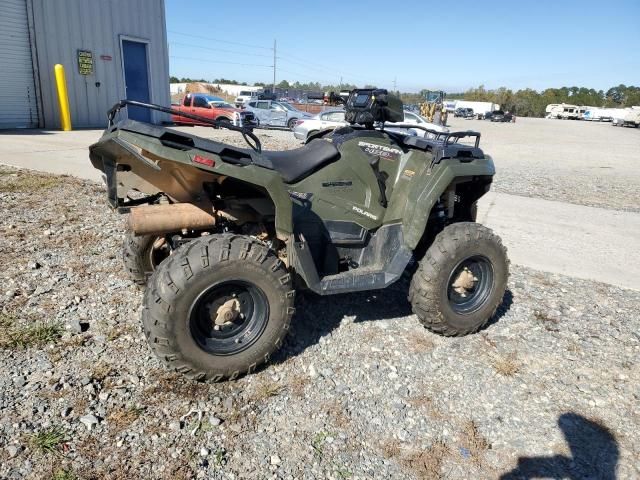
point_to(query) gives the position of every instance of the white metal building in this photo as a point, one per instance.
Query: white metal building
(111, 49)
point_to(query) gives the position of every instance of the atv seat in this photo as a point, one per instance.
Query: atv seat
(294, 165)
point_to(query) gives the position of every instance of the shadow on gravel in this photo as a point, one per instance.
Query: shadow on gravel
(317, 316)
(594, 454)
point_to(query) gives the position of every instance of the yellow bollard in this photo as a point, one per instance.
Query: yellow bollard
(63, 98)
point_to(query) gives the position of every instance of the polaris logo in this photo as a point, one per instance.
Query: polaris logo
(364, 213)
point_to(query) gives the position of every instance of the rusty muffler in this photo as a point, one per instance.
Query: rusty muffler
(160, 219)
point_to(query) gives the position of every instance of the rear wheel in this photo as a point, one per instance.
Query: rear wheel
(292, 123)
(142, 254)
(461, 280)
(219, 307)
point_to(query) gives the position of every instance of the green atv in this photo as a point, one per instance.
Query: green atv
(224, 236)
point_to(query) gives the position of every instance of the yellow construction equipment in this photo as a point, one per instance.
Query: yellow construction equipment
(433, 108)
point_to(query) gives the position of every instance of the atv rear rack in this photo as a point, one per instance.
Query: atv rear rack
(246, 132)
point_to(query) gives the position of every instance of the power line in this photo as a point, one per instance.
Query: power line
(218, 40)
(220, 61)
(220, 49)
(318, 66)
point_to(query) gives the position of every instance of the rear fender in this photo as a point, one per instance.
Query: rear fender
(142, 162)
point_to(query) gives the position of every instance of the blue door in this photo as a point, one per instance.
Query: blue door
(136, 78)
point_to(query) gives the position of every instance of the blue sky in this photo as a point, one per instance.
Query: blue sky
(419, 44)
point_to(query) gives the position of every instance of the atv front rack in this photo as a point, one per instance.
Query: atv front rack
(447, 138)
(246, 132)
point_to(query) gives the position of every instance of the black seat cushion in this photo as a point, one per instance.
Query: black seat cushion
(294, 165)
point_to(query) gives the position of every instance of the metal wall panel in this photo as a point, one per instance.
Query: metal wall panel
(62, 27)
(18, 104)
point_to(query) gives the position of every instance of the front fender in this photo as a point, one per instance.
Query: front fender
(424, 195)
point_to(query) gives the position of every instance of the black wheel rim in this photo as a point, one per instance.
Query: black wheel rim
(470, 284)
(248, 311)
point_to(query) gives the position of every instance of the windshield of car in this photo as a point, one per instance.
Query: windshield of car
(218, 104)
(211, 98)
(287, 106)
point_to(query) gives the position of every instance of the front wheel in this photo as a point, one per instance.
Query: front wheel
(219, 307)
(461, 280)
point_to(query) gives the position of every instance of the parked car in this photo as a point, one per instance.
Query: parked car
(215, 108)
(245, 97)
(308, 126)
(463, 112)
(411, 117)
(500, 116)
(269, 113)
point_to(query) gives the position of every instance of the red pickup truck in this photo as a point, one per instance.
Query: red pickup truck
(215, 108)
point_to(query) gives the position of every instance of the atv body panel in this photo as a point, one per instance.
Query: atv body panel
(351, 207)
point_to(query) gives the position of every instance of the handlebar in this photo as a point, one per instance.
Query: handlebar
(246, 132)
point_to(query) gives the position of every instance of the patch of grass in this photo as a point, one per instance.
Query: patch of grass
(342, 471)
(64, 474)
(426, 403)
(297, 384)
(550, 323)
(15, 336)
(172, 384)
(318, 442)
(101, 371)
(336, 411)
(391, 449)
(119, 331)
(265, 390)
(27, 183)
(428, 463)
(506, 365)
(124, 417)
(48, 441)
(420, 343)
(474, 441)
(220, 457)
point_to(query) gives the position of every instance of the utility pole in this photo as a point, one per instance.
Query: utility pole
(273, 92)
(394, 85)
(340, 83)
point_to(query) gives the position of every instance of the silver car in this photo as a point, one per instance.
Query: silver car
(270, 113)
(411, 117)
(335, 118)
(308, 126)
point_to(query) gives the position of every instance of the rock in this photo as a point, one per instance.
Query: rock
(13, 450)
(66, 412)
(74, 326)
(90, 421)
(20, 381)
(214, 421)
(175, 425)
(33, 265)
(204, 452)
(275, 460)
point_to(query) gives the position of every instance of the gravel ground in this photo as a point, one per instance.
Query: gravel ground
(360, 389)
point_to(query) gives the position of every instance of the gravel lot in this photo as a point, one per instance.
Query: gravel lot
(360, 389)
